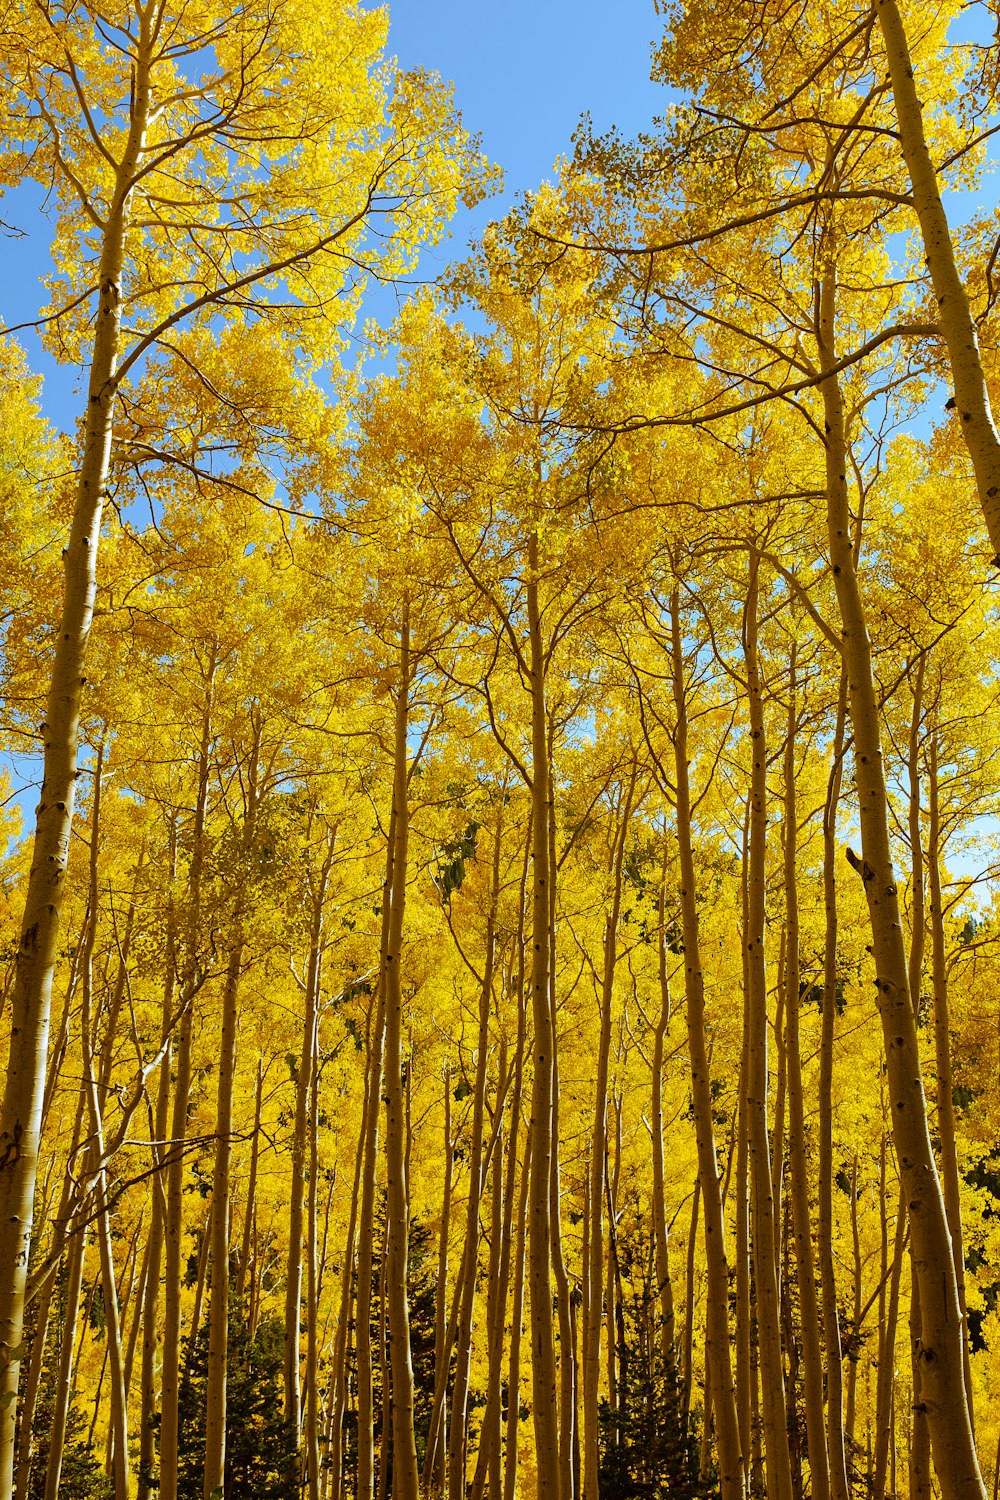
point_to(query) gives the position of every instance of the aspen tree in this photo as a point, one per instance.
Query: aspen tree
(459, 1414)
(593, 1295)
(174, 1190)
(824, 1214)
(718, 1357)
(941, 1352)
(765, 1248)
(942, 1048)
(404, 1453)
(218, 1318)
(664, 1288)
(303, 1094)
(812, 1358)
(957, 325)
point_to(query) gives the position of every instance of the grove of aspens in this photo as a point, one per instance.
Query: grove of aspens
(500, 916)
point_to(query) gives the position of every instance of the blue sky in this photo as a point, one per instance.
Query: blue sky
(525, 72)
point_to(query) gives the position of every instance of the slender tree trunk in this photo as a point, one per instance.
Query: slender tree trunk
(687, 1348)
(836, 1449)
(297, 1192)
(160, 1152)
(174, 1209)
(919, 1446)
(366, 1414)
(31, 1000)
(516, 1312)
(942, 1056)
(887, 1353)
(543, 1353)
(593, 1291)
(218, 1307)
(338, 1378)
(312, 1283)
(458, 1433)
(809, 1314)
(717, 1352)
(664, 1286)
(941, 1353)
(96, 1161)
(434, 1456)
(249, 1213)
(405, 1475)
(776, 1455)
(855, 1348)
(744, 1320)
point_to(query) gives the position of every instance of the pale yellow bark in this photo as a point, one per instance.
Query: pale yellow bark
(405, 1474)
(958, 329)
(593, 1290)
(39, 938)
(717, 1352)
(941, 1344)
(543, 1357)
(805, 1268)
(836, 1447)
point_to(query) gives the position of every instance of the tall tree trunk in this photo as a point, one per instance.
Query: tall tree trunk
(765, 1249)
(516, 1313)
(836, 1447)
(942, 1056)
(664, 1286)
(568, 1405)
(173, 1229)
(37, 952)
(312, 1454)
(434, 1455)
(593, 1291)
(941, 1352)
(887, 1349)
(543, 1353)
(717, 1352)
(218, 1306)
(297, 1192)
(160, 1153)
(366, 1230)
(744, 1319)
(809, 1315)
(96, 1160)
(458, 1432)
(338, 1377)
(405, 1475)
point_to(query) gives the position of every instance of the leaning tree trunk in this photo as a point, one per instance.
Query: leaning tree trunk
(957, 325)
(31, 1000)
(942, 1357)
